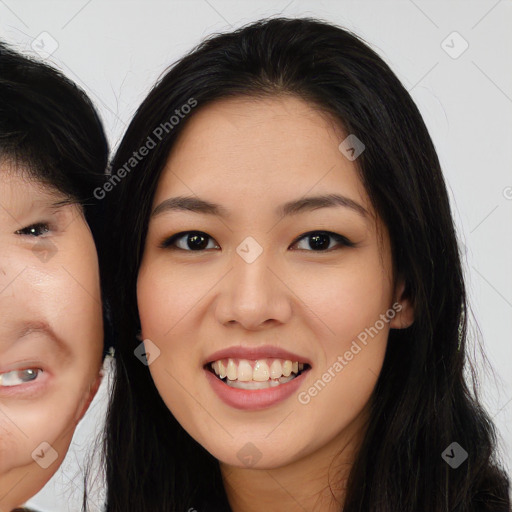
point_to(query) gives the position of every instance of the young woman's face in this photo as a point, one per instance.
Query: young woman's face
(51, 331)
(268, 275)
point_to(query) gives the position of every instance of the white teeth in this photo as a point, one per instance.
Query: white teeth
(287, 368)
(262, 370)
(271, 383)
(222, 369)
(244, 371)
(231, 370)
(276, 370)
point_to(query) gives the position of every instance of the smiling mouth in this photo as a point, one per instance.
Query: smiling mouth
(256, 374)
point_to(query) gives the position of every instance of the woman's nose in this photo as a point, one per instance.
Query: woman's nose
(253, 294)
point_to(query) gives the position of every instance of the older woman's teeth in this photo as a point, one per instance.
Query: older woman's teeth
(259, 374)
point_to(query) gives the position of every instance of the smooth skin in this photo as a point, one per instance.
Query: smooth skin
(51, 333)
(251, 155)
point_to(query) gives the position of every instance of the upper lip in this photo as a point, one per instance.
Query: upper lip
(253, 353)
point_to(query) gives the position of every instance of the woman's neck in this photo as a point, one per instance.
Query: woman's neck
(313, 483)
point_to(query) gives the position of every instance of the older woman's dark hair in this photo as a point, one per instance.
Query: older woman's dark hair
(421, 403)
(51, 133)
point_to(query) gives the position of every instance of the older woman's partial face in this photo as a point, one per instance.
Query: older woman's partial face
(266, 291)
(51, 331)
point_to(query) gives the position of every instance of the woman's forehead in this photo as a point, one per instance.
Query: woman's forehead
(19, 177)
(268, 144)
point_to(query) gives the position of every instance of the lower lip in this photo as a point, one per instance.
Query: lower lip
(253, 399)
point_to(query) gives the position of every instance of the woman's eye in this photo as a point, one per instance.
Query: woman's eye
(320, 241)
(18, 377)
(34, 229)
(189, 241)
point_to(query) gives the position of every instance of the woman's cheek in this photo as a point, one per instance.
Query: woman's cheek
(164, 297)
(346, 304)
(11, 444)
(23, 434)
(50, 420)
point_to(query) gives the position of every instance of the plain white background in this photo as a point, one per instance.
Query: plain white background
(462, 83)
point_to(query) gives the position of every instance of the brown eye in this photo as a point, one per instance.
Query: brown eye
(188, 241)
(34, 229)
(320, 241)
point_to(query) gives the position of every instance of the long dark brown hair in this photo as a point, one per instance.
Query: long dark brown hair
(422, 402)
(50, 128)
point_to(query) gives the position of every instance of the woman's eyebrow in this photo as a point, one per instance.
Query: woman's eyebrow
(63, 202)
(42, 327)
(198, 205)
(54, 197)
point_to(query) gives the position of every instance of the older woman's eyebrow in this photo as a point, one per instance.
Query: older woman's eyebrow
(28, 328)
(54, 197)
(53, 201)
(63, 202)
(198, 205)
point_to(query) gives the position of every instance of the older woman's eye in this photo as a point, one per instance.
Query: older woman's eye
(320, 241)
(18, 377)
(37, 229)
